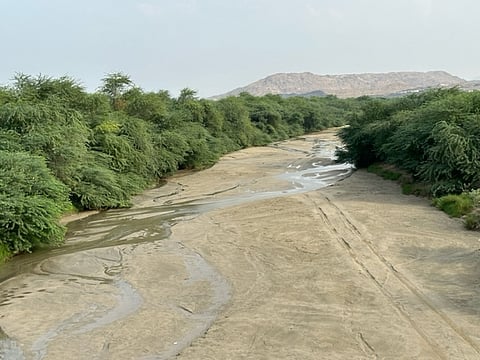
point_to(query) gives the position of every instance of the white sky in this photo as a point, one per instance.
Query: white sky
(213, 46)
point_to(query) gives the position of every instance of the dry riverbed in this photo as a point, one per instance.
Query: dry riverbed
(352, 271)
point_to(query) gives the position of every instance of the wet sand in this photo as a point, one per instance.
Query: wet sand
(352, 271)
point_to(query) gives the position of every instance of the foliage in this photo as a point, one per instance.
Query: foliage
(5, 253)
(434, 136)
(63, 146)
(416, 188)
(454, 205)
(98, 188)
(31, 202)
(472, 220)
(475, 196)
(386, 173)
(114, 86)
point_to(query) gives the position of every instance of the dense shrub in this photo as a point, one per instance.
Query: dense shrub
(434, 136)
(31, 202)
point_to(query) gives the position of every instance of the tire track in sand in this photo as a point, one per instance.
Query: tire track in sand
(435, 327)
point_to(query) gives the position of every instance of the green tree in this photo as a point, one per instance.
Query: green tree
(114, 86)
(152, 107)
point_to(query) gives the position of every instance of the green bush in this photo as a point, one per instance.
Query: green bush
(472, 220)
(434, 136)
(4, 253)
(475, 196)
(454, 205)
(31, 203)
(99, 188)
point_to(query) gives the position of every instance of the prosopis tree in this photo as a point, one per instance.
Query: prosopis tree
(114, 86)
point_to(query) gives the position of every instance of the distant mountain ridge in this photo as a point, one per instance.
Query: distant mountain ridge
(348, 85)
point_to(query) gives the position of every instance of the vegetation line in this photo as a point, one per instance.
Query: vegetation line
(63, 149)
(433, 138)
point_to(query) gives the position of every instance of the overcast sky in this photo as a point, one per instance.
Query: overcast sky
(213, 46)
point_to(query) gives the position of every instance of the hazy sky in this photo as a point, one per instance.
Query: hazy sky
(213, 46)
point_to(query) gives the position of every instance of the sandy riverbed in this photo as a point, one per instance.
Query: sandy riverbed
(353, 271)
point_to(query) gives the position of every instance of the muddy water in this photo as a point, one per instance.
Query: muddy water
(73, 298)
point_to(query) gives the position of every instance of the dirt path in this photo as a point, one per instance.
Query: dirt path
(352, 271)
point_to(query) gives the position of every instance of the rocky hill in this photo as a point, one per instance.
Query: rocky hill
(348, 85)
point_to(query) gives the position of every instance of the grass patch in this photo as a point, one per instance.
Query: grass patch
(385, 171)
(417, 189)
(455, 205)
(409, 186)
(472, 220)
(465, 205)
(5, 254)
